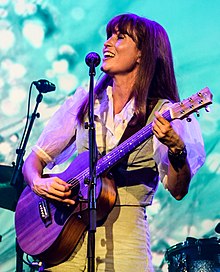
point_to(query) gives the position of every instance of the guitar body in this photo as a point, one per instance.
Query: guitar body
(51, 230)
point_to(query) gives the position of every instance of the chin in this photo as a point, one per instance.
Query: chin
(104, 69)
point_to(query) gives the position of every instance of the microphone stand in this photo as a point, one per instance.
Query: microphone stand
(17, 172)
(43, 86)
(21, 151)
(92, 174)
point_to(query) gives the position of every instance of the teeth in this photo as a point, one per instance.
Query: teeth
(108, 54)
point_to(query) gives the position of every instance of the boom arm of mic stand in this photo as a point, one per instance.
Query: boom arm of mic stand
(21, 151)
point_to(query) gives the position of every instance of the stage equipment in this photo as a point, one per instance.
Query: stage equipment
(194, 255)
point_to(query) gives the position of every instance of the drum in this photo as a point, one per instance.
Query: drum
(194, 255)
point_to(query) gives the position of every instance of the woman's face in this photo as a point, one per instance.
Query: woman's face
(120, 55)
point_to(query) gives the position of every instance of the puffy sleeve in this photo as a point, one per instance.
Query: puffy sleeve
(191, 134)
(54, 145)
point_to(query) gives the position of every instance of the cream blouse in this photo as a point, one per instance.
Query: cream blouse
(52, 143)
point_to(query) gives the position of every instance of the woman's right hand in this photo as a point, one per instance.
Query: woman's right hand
(53, 188)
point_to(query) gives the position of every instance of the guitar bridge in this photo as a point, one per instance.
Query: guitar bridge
(44, 212)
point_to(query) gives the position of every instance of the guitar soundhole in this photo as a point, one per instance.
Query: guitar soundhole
(63, 211)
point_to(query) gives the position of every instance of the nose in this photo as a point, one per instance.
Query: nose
(108, 42)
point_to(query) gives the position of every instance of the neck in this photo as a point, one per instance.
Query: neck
(121, 91)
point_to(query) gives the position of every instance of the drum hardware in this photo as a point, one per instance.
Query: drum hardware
(194, 255)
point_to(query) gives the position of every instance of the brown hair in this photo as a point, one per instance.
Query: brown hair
(155, 77)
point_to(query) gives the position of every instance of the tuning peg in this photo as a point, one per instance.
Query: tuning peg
(207, 108)
(188, 119)
(197, 113)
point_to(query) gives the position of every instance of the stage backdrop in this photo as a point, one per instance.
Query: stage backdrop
(50, 39)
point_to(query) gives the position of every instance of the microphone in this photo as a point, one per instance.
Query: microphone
(44, 86)
(93, 59)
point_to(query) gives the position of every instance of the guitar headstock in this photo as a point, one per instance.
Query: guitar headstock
(191, 104)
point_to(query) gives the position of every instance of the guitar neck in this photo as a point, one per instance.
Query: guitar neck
(177, 110)
(125, 148)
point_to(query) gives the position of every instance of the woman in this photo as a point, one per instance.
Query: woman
(137, 85)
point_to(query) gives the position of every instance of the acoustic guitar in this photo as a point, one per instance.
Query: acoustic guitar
(50, 230)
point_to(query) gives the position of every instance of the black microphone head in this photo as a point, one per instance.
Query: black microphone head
(93, 59)
(44, 86)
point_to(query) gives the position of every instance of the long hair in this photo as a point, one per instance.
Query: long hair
(155, 76)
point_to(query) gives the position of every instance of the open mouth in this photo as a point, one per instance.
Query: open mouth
(108, 54)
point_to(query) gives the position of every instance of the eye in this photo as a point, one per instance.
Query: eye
(121, 36)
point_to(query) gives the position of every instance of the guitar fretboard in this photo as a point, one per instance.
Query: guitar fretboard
(127, 146)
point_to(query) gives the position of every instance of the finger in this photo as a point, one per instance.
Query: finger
(53, 187)
(162, 127)
(66, 200)
(158, 134)
(158, 128)
(61, 190)
(160, 118)
(59, 194)
(61, 185)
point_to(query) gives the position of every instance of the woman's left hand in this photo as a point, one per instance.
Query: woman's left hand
(165, 133)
